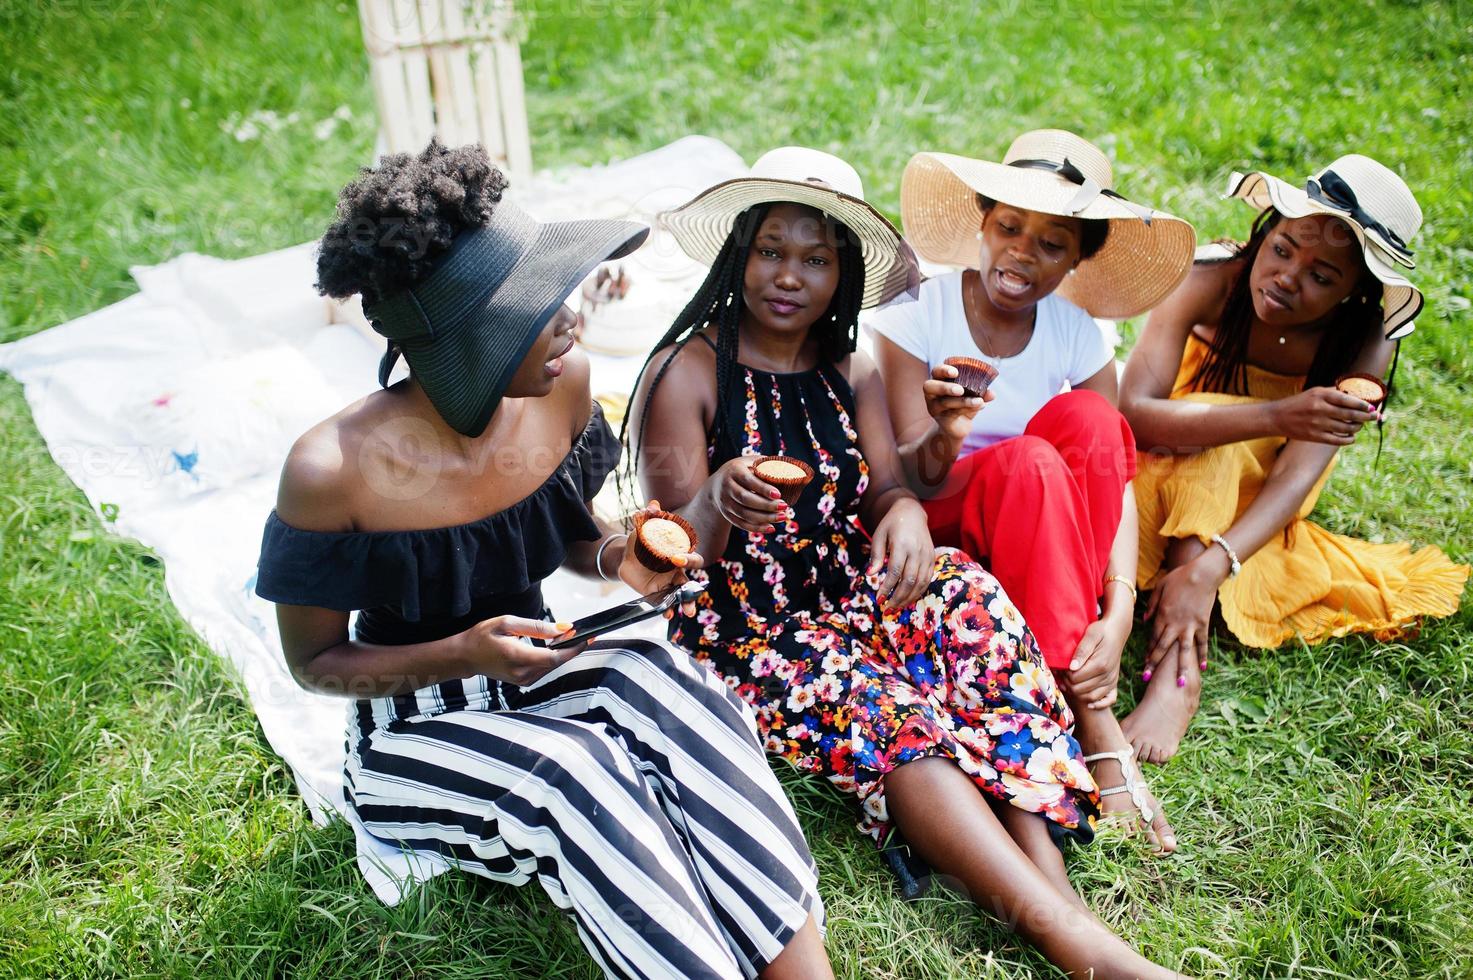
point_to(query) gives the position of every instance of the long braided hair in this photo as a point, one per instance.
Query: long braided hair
(718, 302)
(1354, 325)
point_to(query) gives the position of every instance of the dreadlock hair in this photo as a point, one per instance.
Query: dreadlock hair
(718, 302)
(1352, 326)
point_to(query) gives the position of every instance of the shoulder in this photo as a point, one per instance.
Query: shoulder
(1071, 327)
(678, 384)
(863, 376)
(944, 284)
(317, 478)
(857, 368)
(935, 293)
(928, 300)
(691, 367)
(1062, 314)
(1204, 292)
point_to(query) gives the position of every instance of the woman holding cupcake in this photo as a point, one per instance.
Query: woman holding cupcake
(1242, 389)
(621, 776)
(900, 673)
(1017, 471)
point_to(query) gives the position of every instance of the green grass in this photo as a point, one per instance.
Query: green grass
(146, 828)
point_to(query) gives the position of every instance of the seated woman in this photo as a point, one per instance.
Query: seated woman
(1037, 483)
(624, 777)
(901, 674)
(1232, 394)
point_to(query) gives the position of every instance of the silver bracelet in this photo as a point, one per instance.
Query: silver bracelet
(1236, 566)
(598, 556)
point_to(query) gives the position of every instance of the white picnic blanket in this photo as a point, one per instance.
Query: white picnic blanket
(174, 409)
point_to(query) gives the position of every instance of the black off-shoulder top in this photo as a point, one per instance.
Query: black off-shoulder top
(418, 586)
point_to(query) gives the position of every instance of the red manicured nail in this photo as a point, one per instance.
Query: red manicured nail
(1181, 682)
(774, 494)
(1145, 675)
(1204, 665)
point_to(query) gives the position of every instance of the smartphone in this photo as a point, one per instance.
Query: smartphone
(624, 614)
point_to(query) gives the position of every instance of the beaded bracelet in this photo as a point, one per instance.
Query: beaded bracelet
(1236, 565)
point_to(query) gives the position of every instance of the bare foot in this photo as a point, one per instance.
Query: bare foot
(1122, 809)
(1158, 723)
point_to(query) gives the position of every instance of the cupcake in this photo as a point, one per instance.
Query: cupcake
(1366, 386)
(789, 475)
(660, 536)
(972, 374)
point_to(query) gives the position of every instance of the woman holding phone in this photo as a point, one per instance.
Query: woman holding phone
(622, 776)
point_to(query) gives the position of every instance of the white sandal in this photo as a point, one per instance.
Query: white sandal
(1132, 784)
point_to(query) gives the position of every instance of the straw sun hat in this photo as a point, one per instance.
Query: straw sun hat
(1145, 256)
(802, 176)
(1377, 205)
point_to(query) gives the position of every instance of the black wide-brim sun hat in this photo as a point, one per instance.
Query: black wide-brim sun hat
(467, 326)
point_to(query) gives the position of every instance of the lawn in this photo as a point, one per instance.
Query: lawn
(147, 829)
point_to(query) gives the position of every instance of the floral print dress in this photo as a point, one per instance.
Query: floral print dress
(846, 690)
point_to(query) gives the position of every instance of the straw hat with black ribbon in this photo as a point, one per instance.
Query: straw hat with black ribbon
(466, 327)
(800, 175)
(1377, 205)
(1145, 256)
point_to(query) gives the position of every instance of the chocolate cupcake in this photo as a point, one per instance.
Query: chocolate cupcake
(1366, 386)
(972, 374)
(658, 537)
(789, 475)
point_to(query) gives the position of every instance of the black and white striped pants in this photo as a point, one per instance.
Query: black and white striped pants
(628, 782)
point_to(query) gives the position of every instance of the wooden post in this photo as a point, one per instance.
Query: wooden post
(452, 68)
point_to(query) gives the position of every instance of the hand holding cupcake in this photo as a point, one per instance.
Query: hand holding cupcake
(789, 475)
(751, 502)
(956, 392)
(660, 551)
(1364, 386)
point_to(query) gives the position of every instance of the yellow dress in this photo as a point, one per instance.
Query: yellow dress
(1307, 581)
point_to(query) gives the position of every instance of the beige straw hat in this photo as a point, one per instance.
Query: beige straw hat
(1145, 256)
(1376, 204)
(801, 176)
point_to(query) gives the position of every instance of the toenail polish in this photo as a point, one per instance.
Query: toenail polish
(1146, 675)
(1181, 682)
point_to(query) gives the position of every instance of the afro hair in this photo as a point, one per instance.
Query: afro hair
(397, 218)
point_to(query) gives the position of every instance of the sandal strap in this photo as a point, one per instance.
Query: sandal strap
(1119, 755)
(1131, 783)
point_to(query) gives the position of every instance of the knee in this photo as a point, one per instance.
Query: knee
(1085, 419)
(1035, 460)
(955, 565)
(579, 765)
(650, 665)
(657, 678)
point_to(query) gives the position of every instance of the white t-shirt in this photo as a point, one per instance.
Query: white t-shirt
(1066, 348)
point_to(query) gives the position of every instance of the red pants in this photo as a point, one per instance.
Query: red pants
(1041, 511)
